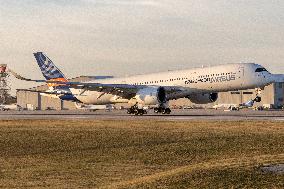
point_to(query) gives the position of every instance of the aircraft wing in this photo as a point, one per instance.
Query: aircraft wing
(124, 90)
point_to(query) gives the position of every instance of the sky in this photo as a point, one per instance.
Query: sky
(126, 37)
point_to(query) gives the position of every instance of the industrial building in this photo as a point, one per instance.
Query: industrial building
(34, 100)
(272, 95)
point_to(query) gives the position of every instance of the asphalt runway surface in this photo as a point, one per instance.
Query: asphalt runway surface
(176, 115)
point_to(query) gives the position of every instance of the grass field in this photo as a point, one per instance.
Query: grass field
(140, 154)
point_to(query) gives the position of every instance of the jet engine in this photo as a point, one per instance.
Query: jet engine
(203, 98)
(151, 96)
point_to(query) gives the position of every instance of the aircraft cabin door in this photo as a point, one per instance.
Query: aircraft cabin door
(241, 74)
(241, 71)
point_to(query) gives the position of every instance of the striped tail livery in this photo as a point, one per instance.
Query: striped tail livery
(49, 70)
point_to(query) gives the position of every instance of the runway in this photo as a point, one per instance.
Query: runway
(176, 115)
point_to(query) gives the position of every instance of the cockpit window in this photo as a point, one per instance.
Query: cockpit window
(260, 70)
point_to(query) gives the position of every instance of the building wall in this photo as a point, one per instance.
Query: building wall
(25, 97)
(279, 94)
(42, 102)
(67, 105)
(50, 103)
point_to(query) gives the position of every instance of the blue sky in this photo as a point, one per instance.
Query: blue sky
(125, 37)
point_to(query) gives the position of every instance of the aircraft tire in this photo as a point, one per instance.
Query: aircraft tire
(140, 112)
(136, 112)
(168, 110)
(156, 110)
(257, 99)
(129, 111)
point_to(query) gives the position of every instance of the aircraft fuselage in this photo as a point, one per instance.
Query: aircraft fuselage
(221, 78)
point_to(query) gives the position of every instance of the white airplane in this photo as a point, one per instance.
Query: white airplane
(200, 85)
(7, 107)
(248, 104)
(225, 106)
(93, 107)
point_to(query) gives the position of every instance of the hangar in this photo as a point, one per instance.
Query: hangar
(34, 101)
(272, 95)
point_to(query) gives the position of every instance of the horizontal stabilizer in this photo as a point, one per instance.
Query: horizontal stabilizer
(18, 76)
(55, 92)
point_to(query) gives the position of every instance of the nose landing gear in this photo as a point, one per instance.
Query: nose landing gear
(258, 93)
(257, 99)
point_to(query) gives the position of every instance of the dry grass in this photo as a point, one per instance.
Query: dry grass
(139, 154)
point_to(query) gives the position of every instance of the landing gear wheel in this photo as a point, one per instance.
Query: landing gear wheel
(140, 112)
(136, 111)
(162, 110)
(257, 99)
(168, 110)
(144, 112)
(156, 110)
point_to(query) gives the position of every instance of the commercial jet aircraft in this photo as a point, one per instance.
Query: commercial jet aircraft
(200, 85)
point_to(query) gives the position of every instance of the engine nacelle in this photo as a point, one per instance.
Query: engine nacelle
(203, 98)
(151, 96)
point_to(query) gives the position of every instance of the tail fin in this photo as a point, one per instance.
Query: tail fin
(48, 69)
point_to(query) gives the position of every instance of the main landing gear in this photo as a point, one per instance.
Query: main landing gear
(162, 110)
(136, 110)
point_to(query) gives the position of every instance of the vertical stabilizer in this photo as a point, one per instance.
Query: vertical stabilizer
(48, 68)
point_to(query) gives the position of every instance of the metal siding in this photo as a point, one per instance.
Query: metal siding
(26, 97)
(47, 102)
